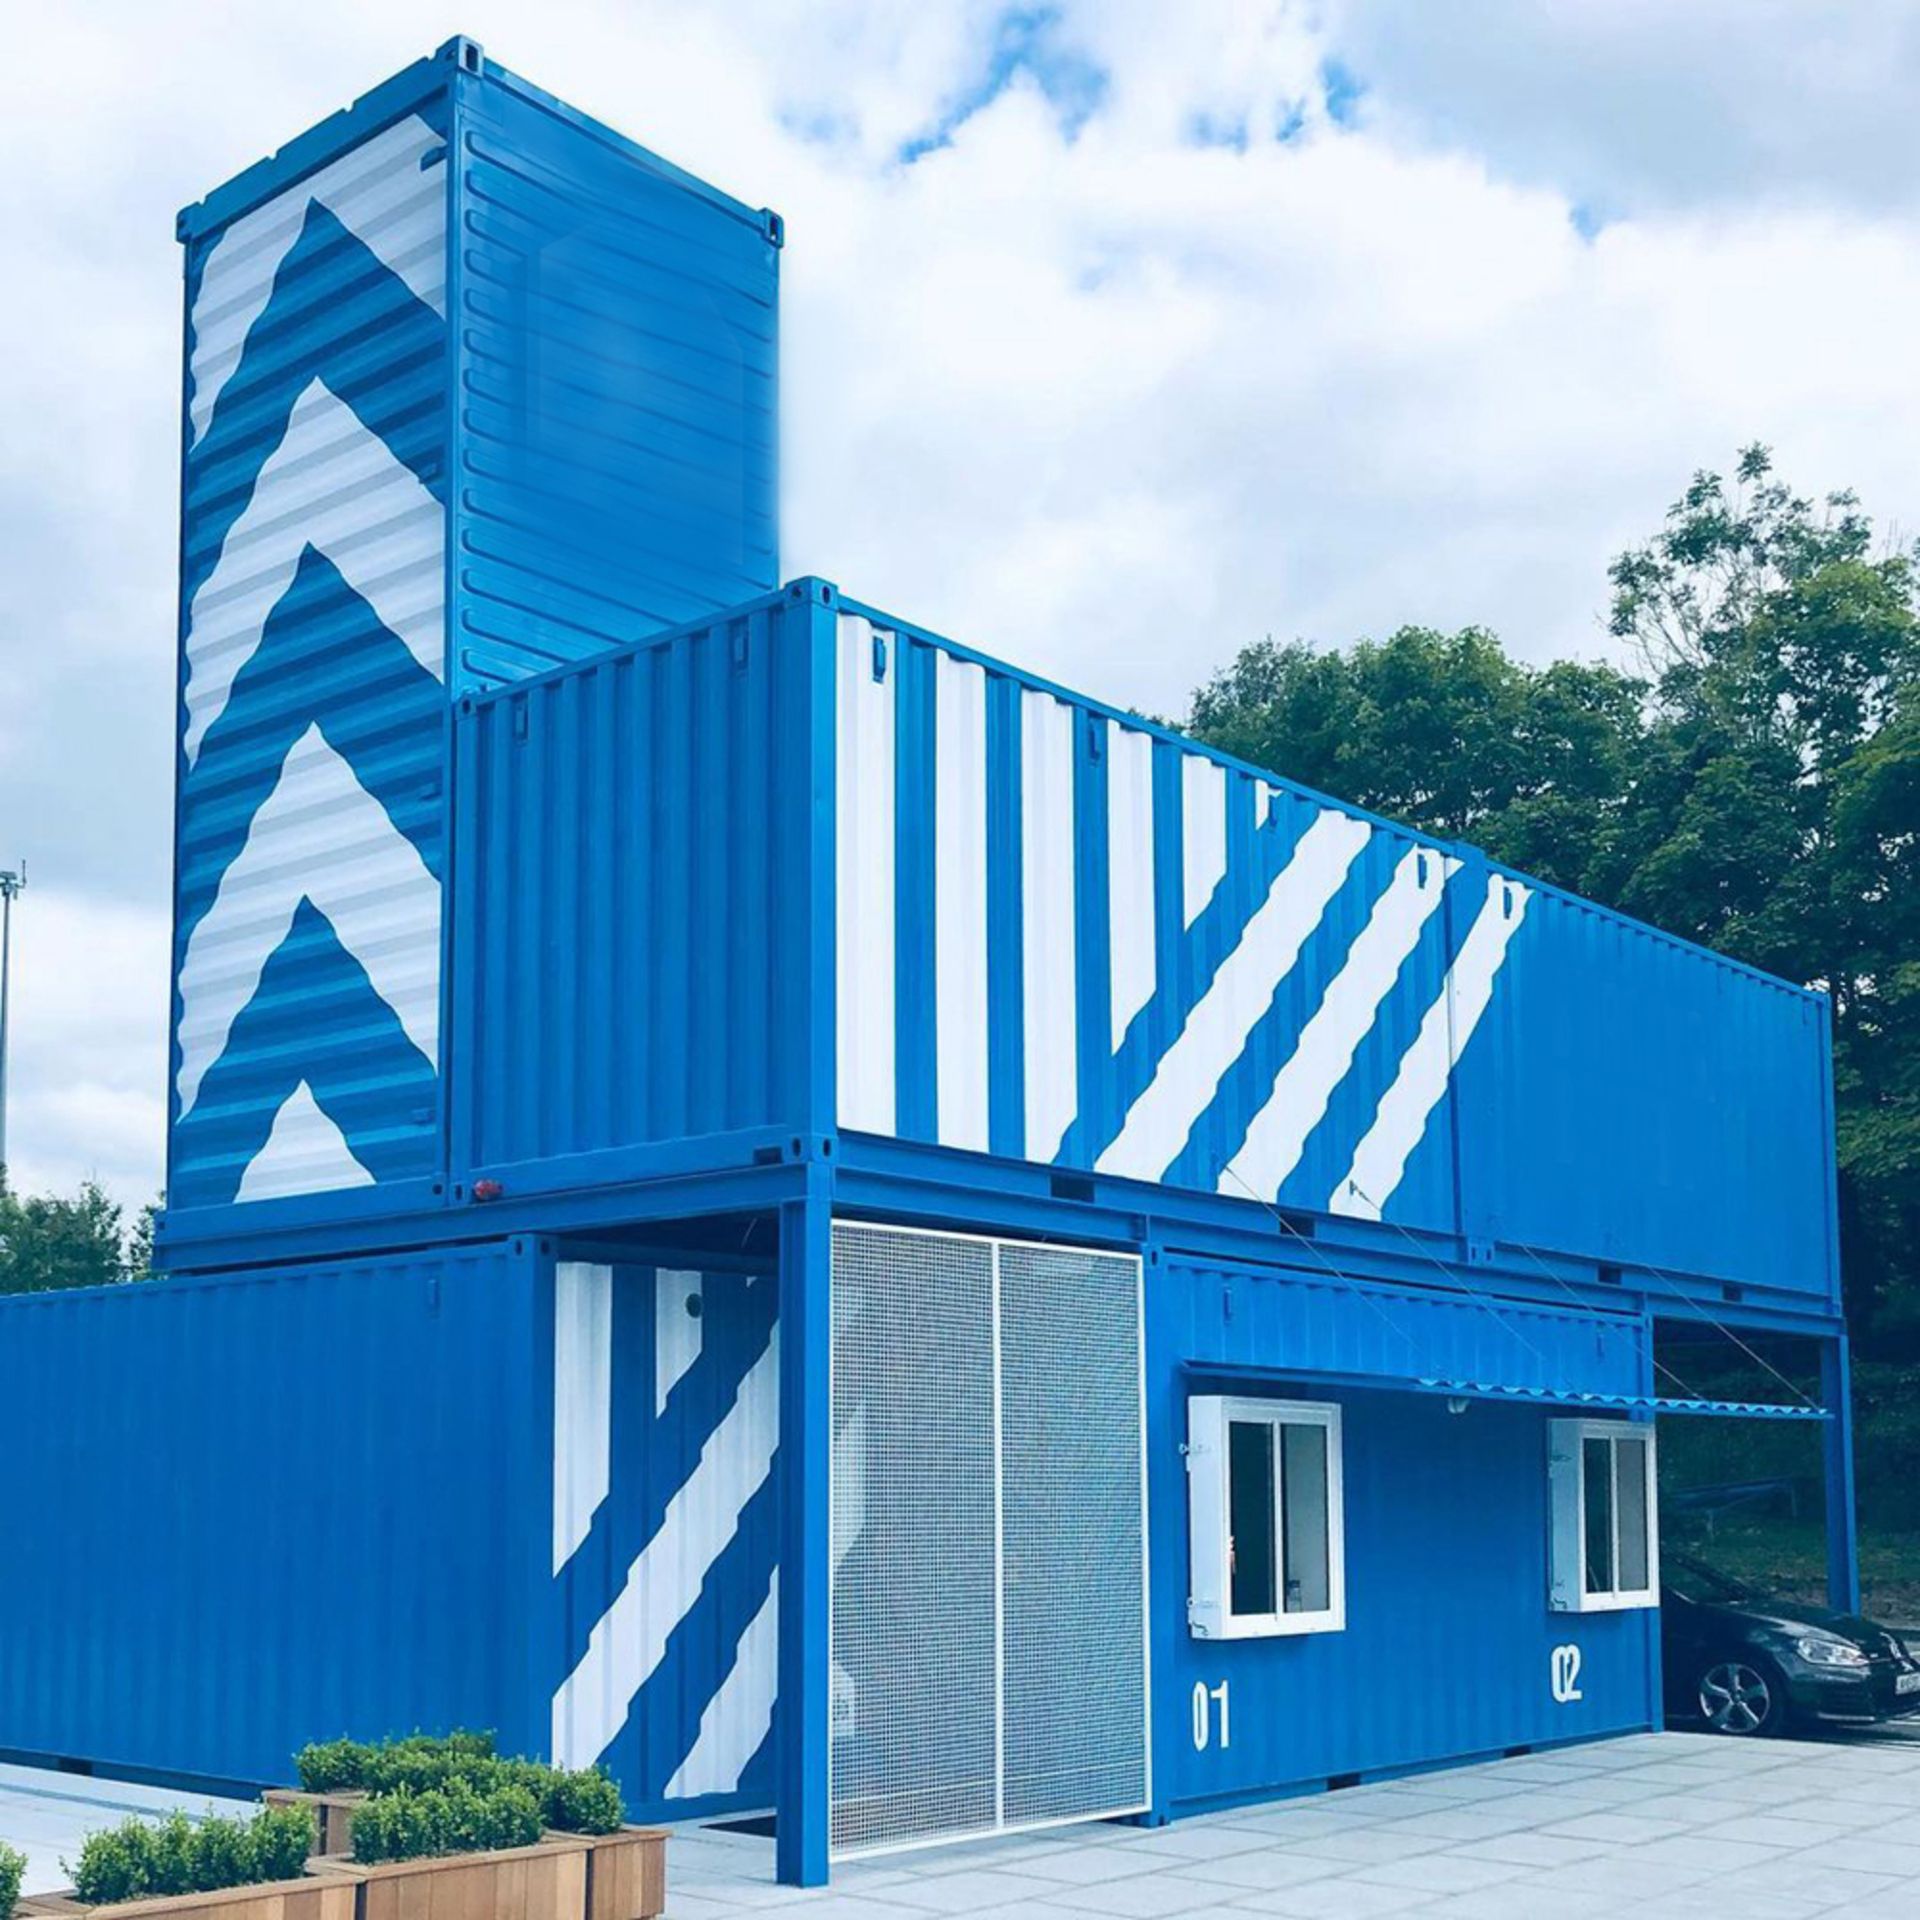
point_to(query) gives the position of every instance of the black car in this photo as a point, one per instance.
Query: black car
(1747, 1662)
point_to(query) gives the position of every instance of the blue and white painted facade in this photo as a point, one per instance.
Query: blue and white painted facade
(313, 644)
(665, 1450)
(362, 403)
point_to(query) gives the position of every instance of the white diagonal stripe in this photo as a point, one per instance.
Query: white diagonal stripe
(1203, 832)
(1278, 1133)
(1130, 920)
(304, 1153)
(960, 901)
(318, 836)
(737, 1717)
(332, 485)
(863, 880)
(1380, 1160)
(676, 1330)
(582, 1400)
(664, 1581)
(1048, 965)
(1216, 1031)
(377, 191)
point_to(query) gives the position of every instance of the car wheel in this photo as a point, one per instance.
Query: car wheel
(1742, 1698)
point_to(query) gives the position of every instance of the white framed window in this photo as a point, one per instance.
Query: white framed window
(1604, 1516)
(1263, 1499)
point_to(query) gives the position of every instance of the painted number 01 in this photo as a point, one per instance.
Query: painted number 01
(1205, 1699)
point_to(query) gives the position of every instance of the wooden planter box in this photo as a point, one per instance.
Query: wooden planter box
(332, 1814)
(626, 1873)
(543, 1882)
(322, 1899)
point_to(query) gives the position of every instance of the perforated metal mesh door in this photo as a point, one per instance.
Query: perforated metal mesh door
(1074, 1607)
(913, 1735)
(989, 1630)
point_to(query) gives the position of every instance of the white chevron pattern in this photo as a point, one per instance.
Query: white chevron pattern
(305, 1153)
(319, 836)
(737, 1717)
(378, 191)
(334, 486)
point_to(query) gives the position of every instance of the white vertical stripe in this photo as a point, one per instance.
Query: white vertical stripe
(737, 1717)
(582, 1400)
(1380, 1160)
(1129, 873)
(1327, 1043)
(676, 1330)
(1049, 972)
(1203, 832)
(304, 1153)
(377, 190)
(960, 900)
(863, 885)
(1216, 1031)
(629, 1639)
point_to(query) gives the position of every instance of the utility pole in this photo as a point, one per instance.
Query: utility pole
(11, 885)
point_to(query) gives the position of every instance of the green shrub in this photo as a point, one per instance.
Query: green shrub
(458, 1817)
(281, 1838)
(140, 1858)
(13, 1864)
(585, 1801)
(114, 1865)
(332, 1766)
(417, 1761)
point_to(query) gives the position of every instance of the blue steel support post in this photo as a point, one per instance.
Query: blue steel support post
(1836, 1453)
(806, 1454)
(811, 624)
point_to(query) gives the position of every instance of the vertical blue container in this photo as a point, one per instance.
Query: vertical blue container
(474, 386)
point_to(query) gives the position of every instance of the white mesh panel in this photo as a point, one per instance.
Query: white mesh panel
(1075, 1606)
(913, 1747)
(989, 1622)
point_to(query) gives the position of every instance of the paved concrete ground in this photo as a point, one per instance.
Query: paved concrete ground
(1666, 1826)
(47, 1815)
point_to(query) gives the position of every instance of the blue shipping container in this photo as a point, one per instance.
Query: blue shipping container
(488, 1486)
(473, 386)
(1045, 932)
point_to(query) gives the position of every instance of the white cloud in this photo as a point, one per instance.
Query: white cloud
(88, 1045)
(1074, 386)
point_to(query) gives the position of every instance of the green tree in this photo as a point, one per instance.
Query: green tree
(1755, 786)
(1445, 732)
(47, 1242)
(1776, 812)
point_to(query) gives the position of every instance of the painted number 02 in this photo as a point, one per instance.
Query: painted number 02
(1205, 1699)
(1566, 1674)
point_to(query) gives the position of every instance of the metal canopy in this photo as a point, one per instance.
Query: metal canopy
(1625, 1402)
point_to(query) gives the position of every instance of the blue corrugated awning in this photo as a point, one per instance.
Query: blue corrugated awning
(1622, 1402)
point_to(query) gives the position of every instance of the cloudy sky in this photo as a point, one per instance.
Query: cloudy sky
(1116, 336)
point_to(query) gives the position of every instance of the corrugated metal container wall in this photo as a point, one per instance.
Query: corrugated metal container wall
(1069, 938)
(245, 1513)
(1448, 1645)
(1636, 1100)
(481, 1487)
(607, 470)
(634, 876)
(662, 1614)
(311, 817)
(616, 425)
